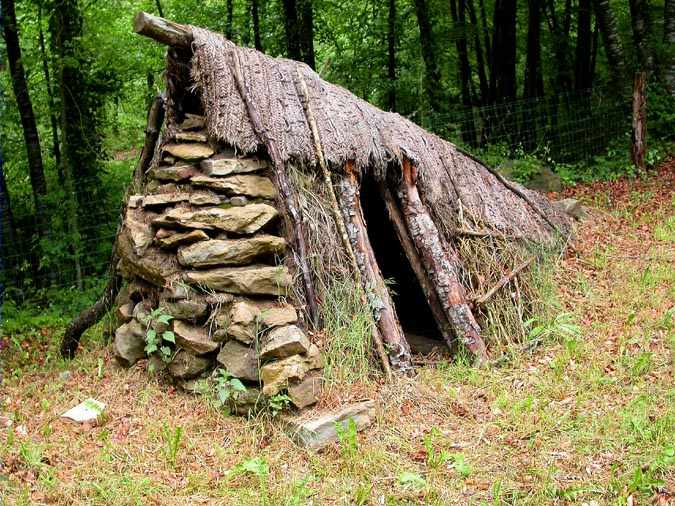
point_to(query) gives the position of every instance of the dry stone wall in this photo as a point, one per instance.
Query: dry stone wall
(201, 244)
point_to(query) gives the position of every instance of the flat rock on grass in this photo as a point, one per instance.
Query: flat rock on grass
(231, 252)
(319, 431)
(253, 279)
(193, 338)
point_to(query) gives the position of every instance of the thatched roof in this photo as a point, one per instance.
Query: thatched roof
(458, 189)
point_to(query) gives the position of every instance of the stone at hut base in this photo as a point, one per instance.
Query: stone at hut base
(190, 152)
(139, 234)
(248, 318)
(191, 137)
(240, 360)
(241, 220)
(174, 173)
(192, 122)
(193, 338)
(166, 239)
(285, 341)
(198, 386)
(238, 201)
(314, 358)
(231, 252)
(218, 166)
(129, 343)
(185, 365)
(125, 312)
(248, 402)
(190, 310)
(318, 432)
(176, 291)
(253, 279)
(156, 365)
(135, 201)
(306, 392)
(276, 375)
(250, 186)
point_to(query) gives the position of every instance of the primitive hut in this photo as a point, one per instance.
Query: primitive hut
(269, 185)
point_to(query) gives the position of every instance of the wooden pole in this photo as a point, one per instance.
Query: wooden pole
(442, 264)
(162, 30)
(479, 301)
(335, 210)
(638, 145)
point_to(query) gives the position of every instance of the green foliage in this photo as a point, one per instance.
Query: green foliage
(227, 388)
(412, 480)
(347, 434)
(278, 403)
(159, 343)
(560, 326)
(171, 437)
(435, 459)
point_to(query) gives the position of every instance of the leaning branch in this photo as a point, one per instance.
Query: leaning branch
(162, 30)
(479, 301)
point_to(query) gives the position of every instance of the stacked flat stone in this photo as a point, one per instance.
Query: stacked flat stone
(202, 243)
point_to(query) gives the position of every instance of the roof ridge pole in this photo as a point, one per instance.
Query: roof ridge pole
(339, 221)
(162, 30)
(287, 199)
(442, 265)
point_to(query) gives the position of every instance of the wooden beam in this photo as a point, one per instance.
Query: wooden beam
(398, 222)
(162, 30)
(442, 264)
(372, 280)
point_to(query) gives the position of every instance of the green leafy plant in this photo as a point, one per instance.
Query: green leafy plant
(157, 343)
(460, 465)
(560, 326)
(411, 480)
(277, 403)
(347, 436)
(435, 459)
(172, 438)
(227, 388)
(258, 467)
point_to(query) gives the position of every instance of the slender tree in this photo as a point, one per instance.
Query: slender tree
(459, 21)
(229, 12)
(255, 19)
(612, 41)
(26, 113)
(432, 78)
(391, 56)
(291, 27)
(534, 82)
(560, 29)
(503, 78)
(53, 119)
(583, 51)
(306, 35)
(669, 43)
(641, 24)
(480, 61)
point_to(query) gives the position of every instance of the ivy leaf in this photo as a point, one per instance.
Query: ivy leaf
(169, 336)
(165, 318)
(223, 395)
(237, 385)
(151, 336)
(150, 348)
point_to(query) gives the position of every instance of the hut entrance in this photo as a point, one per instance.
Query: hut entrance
(412, 308)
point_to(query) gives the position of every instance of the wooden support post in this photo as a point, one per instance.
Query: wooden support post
(162, 30)
(371, 277)
(442, 265)
(398, 222)
(638, 145)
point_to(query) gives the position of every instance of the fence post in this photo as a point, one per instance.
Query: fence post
(638, 147)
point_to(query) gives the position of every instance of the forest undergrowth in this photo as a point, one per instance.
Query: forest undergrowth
(585, 415)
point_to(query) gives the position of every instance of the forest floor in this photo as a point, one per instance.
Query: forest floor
(583, 418)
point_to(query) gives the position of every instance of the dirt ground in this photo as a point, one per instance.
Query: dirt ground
(587, 416)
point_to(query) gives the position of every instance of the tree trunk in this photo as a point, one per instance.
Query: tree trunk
(229, 12)
(486, 36)
(291, 26)
(459, 22)
(480, 62)
(534, 83)
(306, 23)
(159, 8)
(443, 266)
(56, 148)
(582, 63)
(255, 18)
(561, 46)
(503, 82)
(391, 56)
(641, 24)
(372, 280)
(612, 42)
(8, 253)
(432, 79)
(638, 144)
(669, 43)
(27, 115)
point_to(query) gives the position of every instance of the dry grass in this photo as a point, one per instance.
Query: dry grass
(581, 418)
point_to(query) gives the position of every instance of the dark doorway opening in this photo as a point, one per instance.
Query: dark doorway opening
(412, 308)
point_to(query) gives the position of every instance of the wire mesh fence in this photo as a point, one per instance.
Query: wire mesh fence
(75, 248)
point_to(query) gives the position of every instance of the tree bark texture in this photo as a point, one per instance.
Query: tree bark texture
(480, 61)
(306, 23)
(292, 29)
(391, 56)
(534, 82)
(669, 43)
(255, 18)
(56, 148)
(459, 22)
(26, 113)
(639, 137)
(162, 30)
(432, 78)
(442, 264)
(582, 61)
(612, 41)
(372, 280)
